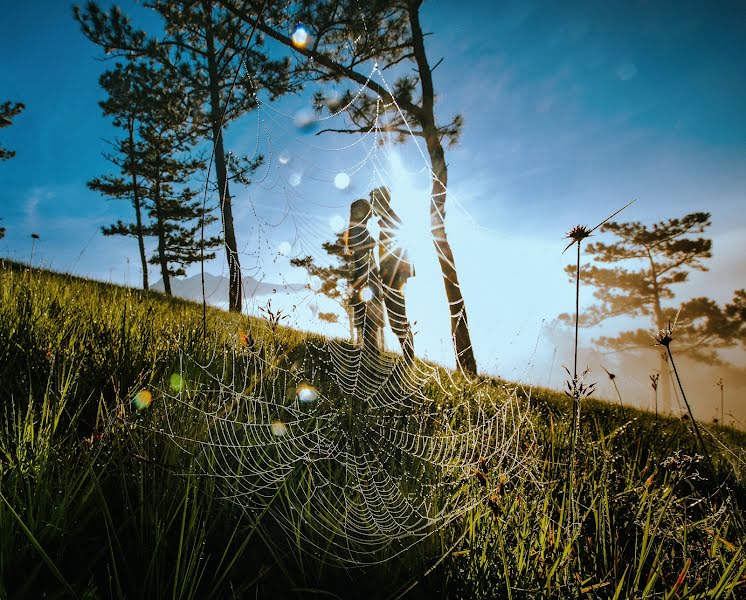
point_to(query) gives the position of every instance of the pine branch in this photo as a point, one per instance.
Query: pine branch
(322, 59)
(364, 130)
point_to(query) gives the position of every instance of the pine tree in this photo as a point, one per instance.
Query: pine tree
(127, 89)
(655, 259)
(8, 111)
(335, 278)
(167, 138)
(736, 313)
(387, 32)
(205, 48)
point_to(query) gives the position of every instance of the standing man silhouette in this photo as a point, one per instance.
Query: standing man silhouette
(366, 284)
(395, 269)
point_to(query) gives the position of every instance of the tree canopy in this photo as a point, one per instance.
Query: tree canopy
(203, 48)
(9, 111)
(649, 261)
(333, 278)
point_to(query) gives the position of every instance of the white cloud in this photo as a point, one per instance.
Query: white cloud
(32, 202)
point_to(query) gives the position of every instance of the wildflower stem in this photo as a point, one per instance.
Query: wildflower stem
(577, 314)
(691, 416)
(722, 409)
(575, 399)
(624, 412)
(575, 396)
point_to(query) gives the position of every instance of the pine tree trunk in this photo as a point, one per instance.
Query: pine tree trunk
(351, 321)
(665, 373)
(459, 323)
(137, 203)
(226, 208)
(161, 234)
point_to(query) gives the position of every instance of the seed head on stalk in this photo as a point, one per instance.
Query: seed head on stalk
(34, 237)
(654, 384)
(576, 236)
(664, 338)
(721, 387)
(576, 386)
(612, 377)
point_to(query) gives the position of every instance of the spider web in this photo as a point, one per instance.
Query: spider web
(355, 452)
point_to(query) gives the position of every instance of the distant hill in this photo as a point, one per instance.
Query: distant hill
(216, 288)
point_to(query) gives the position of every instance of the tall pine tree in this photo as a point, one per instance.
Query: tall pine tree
(168, 136)
(651, 261)
(205, 48)
(128, 96)
(346, 38)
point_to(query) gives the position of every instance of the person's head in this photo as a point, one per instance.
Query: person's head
(380, 199)
(359, 212)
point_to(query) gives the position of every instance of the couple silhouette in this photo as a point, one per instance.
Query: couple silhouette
(378, 286)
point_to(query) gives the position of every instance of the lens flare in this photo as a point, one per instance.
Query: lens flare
(176, 382)
(300, 37)
(307, 393)
(278, 428)
(305, 121)
(142, 399)
(341, 181)
(337, 223)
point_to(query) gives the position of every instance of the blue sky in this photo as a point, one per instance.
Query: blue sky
(571, 109)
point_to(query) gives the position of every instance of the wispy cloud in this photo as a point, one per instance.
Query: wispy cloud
(33, 200)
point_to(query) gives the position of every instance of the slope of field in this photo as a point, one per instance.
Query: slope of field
(104, 493)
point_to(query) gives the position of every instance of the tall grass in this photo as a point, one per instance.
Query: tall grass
(97, 501)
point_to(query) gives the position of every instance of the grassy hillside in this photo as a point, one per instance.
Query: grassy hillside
(105, 494)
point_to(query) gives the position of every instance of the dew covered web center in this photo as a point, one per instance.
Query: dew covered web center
(357, 450)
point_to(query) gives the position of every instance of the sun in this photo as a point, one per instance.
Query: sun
(412, 203)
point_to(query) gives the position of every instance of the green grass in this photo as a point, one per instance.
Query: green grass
(98, 502)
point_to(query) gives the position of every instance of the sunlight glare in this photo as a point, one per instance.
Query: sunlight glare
(411, 202)
(300, 37)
